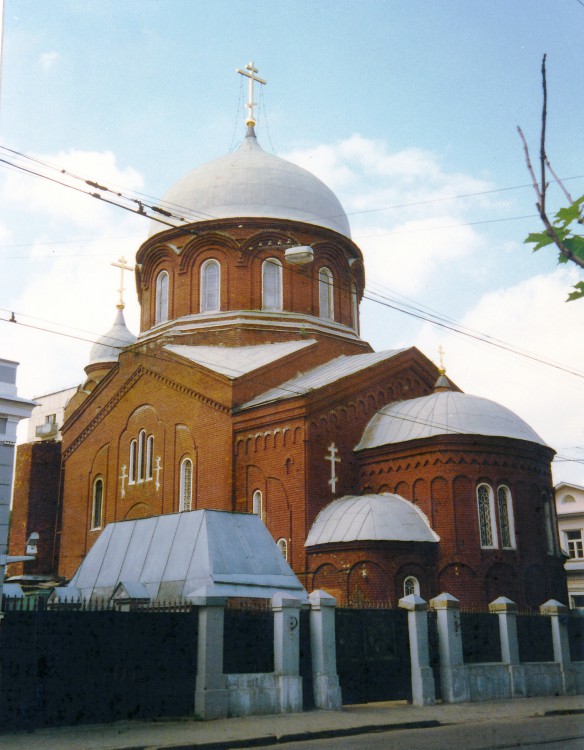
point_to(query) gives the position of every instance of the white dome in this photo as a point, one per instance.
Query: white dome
(363, 518)
(252, 183)
(444, 413)
(107, 347)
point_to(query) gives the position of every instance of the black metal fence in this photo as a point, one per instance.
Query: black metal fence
(534, 633)
(481, 641)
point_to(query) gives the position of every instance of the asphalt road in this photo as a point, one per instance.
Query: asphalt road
(539, 733)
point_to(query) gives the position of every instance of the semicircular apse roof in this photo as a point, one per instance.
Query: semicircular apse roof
(444, 413)
(371, 518)
(252, 183)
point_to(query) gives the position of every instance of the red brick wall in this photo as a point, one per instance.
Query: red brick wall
(35, 502)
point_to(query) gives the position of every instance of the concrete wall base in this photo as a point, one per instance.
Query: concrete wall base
(454, 684)
(261, 694)
(327, 692)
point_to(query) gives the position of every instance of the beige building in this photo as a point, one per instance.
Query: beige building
(570, 513)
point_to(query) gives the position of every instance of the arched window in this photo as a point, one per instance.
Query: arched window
(161, 312)
(271, 284)
(486, 510)
(257, 504)
(283, 547)
(355, 308)
(506, 520)
(210, 286)
(325, 294)
(97, 506)
(411, 586)
(186, 485)
(551, 532)
(141, 455)
(132, 472)
(149, 456)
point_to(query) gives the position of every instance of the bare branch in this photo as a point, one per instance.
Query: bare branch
(542, 154)
(560, 183)
(530, 168)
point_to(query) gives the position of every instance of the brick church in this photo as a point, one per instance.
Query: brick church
(249, 389)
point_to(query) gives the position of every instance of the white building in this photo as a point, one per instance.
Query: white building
(48, 415)
(570, 512)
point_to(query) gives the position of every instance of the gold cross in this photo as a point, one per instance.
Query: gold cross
(250, 72)
(122, 264)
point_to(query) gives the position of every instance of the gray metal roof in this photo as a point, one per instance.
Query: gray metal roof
(321, 376)
(234, 361)
(108, 347)
(383, 517)
(176, 555)
(444, 413)
(251, 182)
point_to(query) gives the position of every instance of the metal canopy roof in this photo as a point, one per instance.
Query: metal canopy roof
(373, 518)
(235, 361)
(176, 556)
(444, 413)
(321, 376)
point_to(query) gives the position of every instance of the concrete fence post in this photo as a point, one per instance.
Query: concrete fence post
(286, 611)
(211, 694)
(558, 614)
(453, 674)
(423, 687)
(506, 611)
(326, 688)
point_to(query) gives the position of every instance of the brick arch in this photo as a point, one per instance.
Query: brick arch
(200, 249)
(330, 579)
(501, 580)
(266, 241)
(461, 581)
(368, 584)
(138, 510)
(158, 259)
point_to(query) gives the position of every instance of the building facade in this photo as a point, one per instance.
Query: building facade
(249, 389)
(570, 512)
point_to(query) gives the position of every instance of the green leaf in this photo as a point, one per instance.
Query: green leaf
(578, 294)
(569, 214)
(575, 245)
(541, 239)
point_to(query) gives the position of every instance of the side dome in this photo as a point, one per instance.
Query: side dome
(444, 413)
(370, 518)
(107, 347)
(252, 183)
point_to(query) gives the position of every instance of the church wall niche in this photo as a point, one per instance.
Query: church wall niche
(368, 585)
(463, 493)
(500, 580)
(461, 581)
(185, 448)
(442, 513)
(330, 579)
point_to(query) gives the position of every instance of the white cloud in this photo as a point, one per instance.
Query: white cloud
(48, 60)
(534, 317)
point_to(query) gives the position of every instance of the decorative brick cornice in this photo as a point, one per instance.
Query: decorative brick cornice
(126, 387)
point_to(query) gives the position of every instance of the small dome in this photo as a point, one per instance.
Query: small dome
(363, 518)
(444, 413)
(107, 348)
(252, 183)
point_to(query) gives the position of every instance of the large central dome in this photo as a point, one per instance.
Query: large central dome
(252, 183)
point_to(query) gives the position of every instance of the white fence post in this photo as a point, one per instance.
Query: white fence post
(211, 694)
(287, 651)
(423, 687)
(453, 674)
(325, 680)
(558, 614)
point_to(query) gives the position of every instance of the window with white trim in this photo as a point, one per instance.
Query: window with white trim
(325, 294)
(486, 512)
(141, 455)
(575, 543)
(97, 504)
(132, 472)
(210, 286)
(161, 309)
(149, 456)
(506, 518)
(271, 284)
(411, 586)
(258, 504)
(355, 307)
(186, 485)
(283, 547)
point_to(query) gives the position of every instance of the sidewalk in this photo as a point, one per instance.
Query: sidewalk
(253, 731)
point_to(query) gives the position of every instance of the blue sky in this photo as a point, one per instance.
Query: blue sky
(397, 105)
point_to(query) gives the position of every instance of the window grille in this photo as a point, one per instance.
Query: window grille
(186, 485)
(506, 518)
(96, 510)
(272, 285)
(325, 294)
(485, 516)
(210, 286)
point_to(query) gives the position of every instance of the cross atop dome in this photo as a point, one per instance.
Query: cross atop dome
(250, 72)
